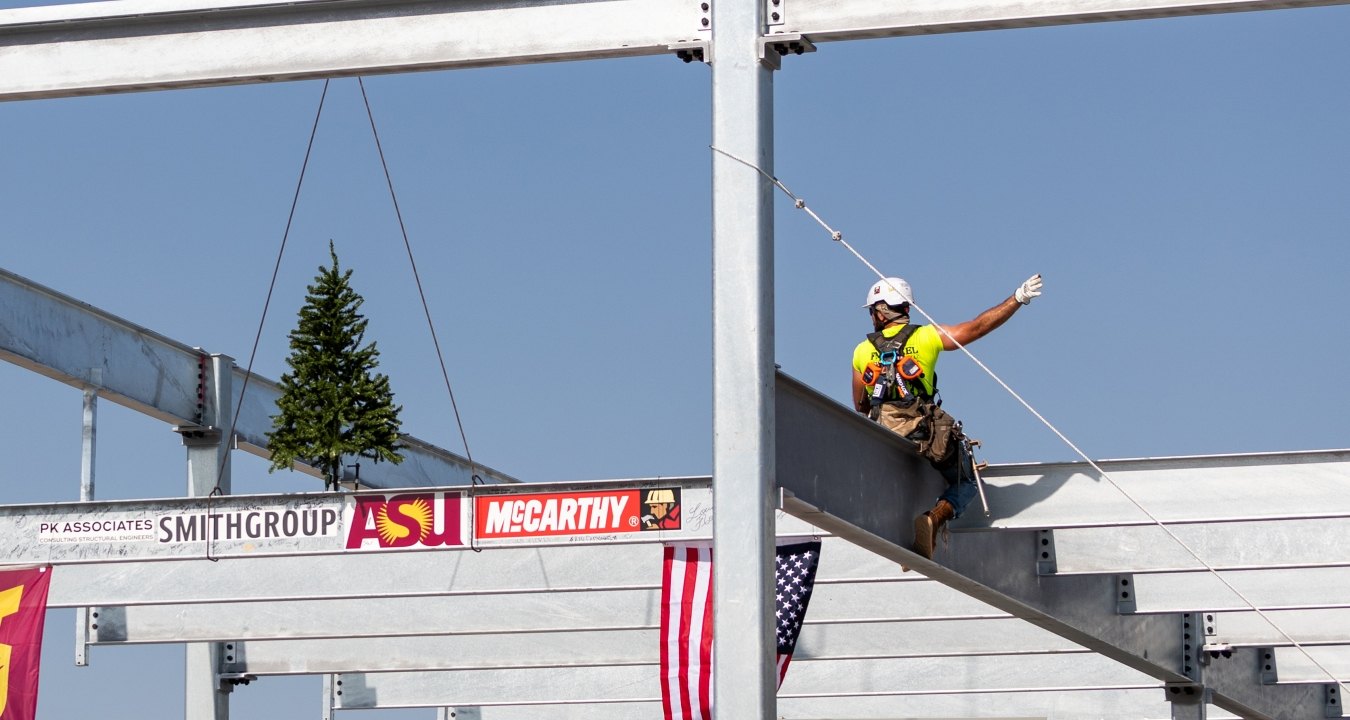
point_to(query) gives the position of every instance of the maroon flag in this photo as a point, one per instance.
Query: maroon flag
(23, 607)
(686, 621)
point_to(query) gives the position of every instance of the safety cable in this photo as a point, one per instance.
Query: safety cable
(426, 309)
(257, 338)
(838, 237)
(474, 479)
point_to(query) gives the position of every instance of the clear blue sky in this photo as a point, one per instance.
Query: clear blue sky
(1182, 184)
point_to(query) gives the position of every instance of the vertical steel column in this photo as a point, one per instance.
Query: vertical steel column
(89, 437)
(744, 685)
(209, 468)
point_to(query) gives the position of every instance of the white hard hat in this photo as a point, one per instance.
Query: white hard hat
(892, 291)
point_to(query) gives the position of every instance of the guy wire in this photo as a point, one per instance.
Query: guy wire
(839, 238)
(474, 479)
(276, 268)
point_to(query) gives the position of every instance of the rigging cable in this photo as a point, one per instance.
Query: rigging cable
(276, 268)
(426, 310)
(838, 237)
(474, 479)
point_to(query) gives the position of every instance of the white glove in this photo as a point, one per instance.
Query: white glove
(1030, 289)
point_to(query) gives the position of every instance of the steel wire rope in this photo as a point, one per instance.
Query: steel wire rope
(267, 303)
(474, 479)
(838, 237)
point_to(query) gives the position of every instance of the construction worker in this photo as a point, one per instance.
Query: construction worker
(901, 359)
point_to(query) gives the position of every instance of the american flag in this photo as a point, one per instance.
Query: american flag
(686, 621)
(794, 578)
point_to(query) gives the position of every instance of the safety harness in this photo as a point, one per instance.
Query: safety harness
(896, 377)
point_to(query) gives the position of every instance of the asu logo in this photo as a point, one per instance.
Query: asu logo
(413, 520)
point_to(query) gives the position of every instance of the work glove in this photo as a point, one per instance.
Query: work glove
(1030, 289)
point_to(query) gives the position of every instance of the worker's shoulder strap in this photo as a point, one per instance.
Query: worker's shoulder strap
(896, 341)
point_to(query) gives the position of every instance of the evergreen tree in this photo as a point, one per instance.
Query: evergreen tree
(332, 402)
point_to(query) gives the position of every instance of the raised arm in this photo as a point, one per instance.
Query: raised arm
(985, 323)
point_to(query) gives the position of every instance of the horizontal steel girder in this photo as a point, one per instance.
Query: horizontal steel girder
(252, 526)
(536, 610)
(128, 45)
(69, 341)
(828, 20)
(1297, 666)
(1006, 637)
(497, 569)
(1056, 705)
(1234, 545)
(641, 682)
(1234, 487)
(155, 44)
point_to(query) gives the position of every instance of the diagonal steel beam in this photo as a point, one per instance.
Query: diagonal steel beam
(840, 475)
(72, 342)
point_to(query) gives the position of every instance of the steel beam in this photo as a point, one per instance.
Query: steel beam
(250, 526)
(1277, 589)
(1104, 704)
(1312, 664)
(1236, 487)
(821, 443)
(208, 473)
(537, 610)
(1233, 545)
(497, 569)
(743, 369)
(69, 341)
(1319, 626)
(998, 568)
(640, 683)
(831, 20)
(819, 642)
(128, 45)
(89, 447)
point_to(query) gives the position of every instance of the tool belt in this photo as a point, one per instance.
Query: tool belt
(930, 428)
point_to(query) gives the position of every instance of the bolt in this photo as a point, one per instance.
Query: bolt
(705, 22)
(775, 17)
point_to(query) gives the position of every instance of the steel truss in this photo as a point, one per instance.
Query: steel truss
(787, 435)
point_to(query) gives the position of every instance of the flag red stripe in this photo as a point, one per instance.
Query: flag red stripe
(686, 603)
(705, 647)
(665, 630)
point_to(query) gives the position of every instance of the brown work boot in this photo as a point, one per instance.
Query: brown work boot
(927, 525)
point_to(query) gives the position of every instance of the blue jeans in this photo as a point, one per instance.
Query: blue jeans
(960, 475)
